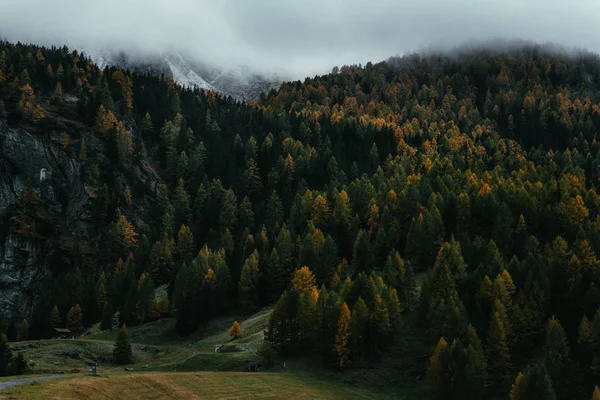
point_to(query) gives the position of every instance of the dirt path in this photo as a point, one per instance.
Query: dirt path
(22, 381)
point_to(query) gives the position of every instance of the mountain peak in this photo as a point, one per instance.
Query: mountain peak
(236, 81)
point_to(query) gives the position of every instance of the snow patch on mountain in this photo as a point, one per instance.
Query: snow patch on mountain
(185, 76)
(236, 81)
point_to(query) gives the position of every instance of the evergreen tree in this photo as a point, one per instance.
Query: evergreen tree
(107, 316)
(23, 333)
(477, 354)
(185, 244)
(285, 248)
(55, 319)
(75, 319)
(188, 283)
(274, 215)
(274, 277)
(251, 176)
(181, 205)
(361, 253)
(248, 285)
(401, 277)
(146, 126)
(122, 352)
(21, 365)
(6, 355)
(498, 356)
(435, 372)
(595, 344)
(360, 320)
(557, 357)
(450, 255)
(145, 295)
(229, 211)
(245, 214)
(534, 384)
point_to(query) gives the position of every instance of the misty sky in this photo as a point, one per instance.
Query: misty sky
(296, 37)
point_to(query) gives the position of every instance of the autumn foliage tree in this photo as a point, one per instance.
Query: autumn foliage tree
(235, 330)
(341, 346)
(75, 318)
(55, 319)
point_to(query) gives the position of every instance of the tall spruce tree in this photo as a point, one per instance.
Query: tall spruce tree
(122, 352)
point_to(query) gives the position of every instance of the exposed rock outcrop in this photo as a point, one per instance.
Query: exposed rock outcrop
(22, 269)
(36, 161)
(28, 160)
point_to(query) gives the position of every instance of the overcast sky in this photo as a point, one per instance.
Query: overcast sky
(296, 37)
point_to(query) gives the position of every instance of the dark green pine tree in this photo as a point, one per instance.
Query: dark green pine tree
(122, 352)
(285, 248)
(146, 127)
(534, 384)
(498, 355)
(188, 284)
(401, 277)
(283, 326)
(329, 260)
(145, 291)
(493, 263)
(557, 358)
(184, 249)
(450, 255)
(274, 215)
(229, 211)
(359, 327)
(380, 249)
(595, 345)
(246, 214)
(503, 229)
(251, 176)
(361, 253)
(181, 205)
(6, 355)
(107, 316)
(425, 237)
(274, 277)
(307, 253)
(142, 254)
(249, 284)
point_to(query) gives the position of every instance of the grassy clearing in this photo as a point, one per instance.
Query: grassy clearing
(76, 355)
(397, 374)
(199, 385)
(155, 344)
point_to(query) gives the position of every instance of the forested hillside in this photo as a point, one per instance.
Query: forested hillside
(460, 190)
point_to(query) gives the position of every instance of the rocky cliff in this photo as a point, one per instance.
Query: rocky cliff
(34, 161)
(25, 161)
(38, 163)
(22, 269)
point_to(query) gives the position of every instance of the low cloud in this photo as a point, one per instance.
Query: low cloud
(296, 38)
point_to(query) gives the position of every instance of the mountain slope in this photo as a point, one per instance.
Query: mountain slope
(455, 198)
(235, 81)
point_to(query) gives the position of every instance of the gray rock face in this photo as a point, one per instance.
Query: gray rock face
(38, 163)
(21, 270)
